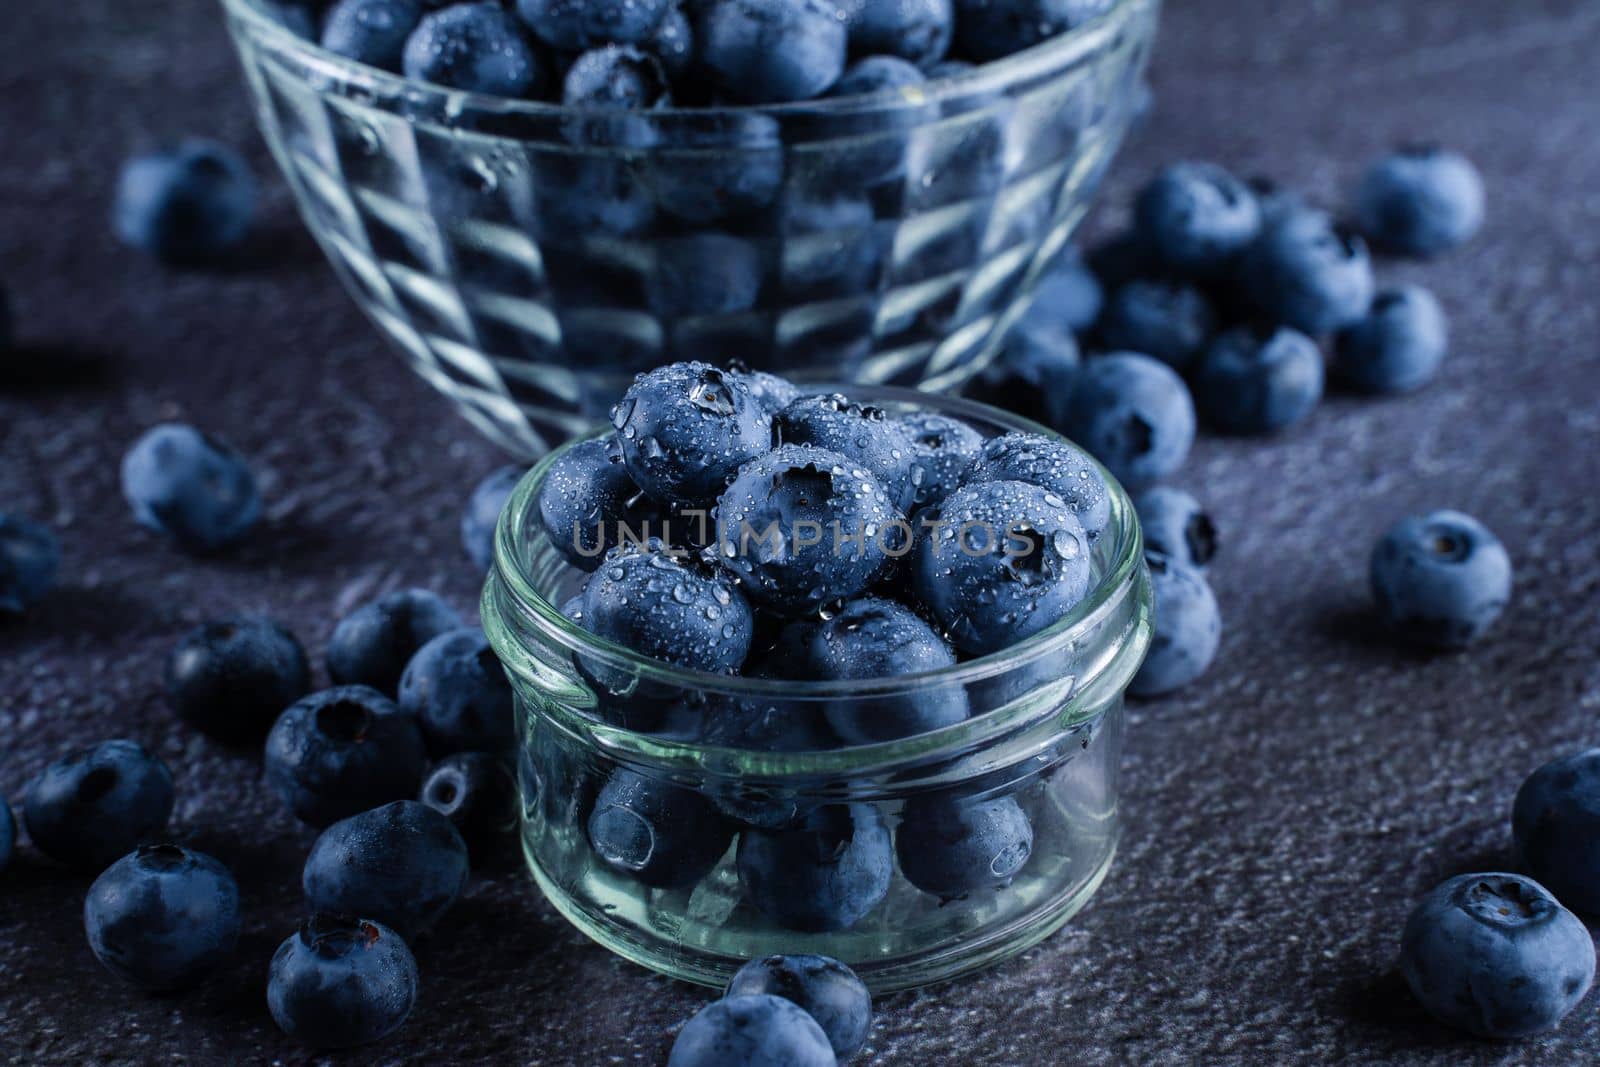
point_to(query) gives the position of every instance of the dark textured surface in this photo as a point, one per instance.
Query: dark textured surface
(1281, 816)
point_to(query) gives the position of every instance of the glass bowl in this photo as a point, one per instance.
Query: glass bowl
(528, 259)
(837, 850)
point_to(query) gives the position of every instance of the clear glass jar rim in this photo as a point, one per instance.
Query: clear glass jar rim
(511, 548)
(976, 84)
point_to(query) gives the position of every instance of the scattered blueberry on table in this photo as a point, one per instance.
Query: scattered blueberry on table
(403, 864)
(758, 1030)
(1440, 579)
(459, 694)
(192, 487)
(1188, 628)
(1258, 381)
(483, 512)
(1555, 827)
(339, 982)
(341, 751)
(189, 205)
(1176, 526)
(30, 560)
(1420, 201)
(1397, 346)
(1134, 414)
(373, 644)
(477, 793)
(1171, 321)
(231, 679)
(1196, 218)
(826, 989)
(98, 803)
(163, 916)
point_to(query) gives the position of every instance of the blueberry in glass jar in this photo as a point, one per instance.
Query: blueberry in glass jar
(663, 835)
(231, 679)
(589, 503)
(722, 165)
(997, 562)
(1420, 201)
(372, 645)
(771, 51)
(1196, 217)
(30, 559)
(877, 74)
(615, 78)
(98, 803)
(1134, 414)
(163, 916)
(577, 25)
(1175, 525)
(342, 751)
(825, 874)
(373, 32)
(1050, 464)
(1305, 272)
(459, 694)
(942, 448)
(192, 487)
(992, 29)
(1259, 380)
(1397, 347)
(704, 274)
(1168, 320)
(340, 982)
(1440, 579)
(673, 45)
(477, 47)
(751, 1031)
(914, 30)
(862, 433)
(686, 428)
(763, 725)
(771, 392)
(952, 846)
(672, 609)
(482, 514)
(1188, 628)
(830, 993)
(477, 793)
(190, 205)
(403, 864)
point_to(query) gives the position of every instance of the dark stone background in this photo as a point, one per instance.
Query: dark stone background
(1282, 815)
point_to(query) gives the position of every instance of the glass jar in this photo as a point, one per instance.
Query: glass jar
(912, 860)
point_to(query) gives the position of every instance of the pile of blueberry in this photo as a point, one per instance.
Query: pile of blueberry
(641, 54)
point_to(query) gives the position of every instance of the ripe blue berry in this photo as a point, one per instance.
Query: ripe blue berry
(1440, 579)
(1495, 955)
(478, 521)
(993, 29)
(669, 609)
(586, 496)
(663, 835)
(859, 432)
(8, 834)
(826, 989)
(459, 694)
(1049, 464)
(871, 637)
(942, 448)
(1188, 628)
(1168, 320)
(1398, 346)
(372, 645)
(1037, 363)
(1176, 526)
(342, 751)
(673, 44)
(771, 51)
(915, 30)
(340, 982)
(825, 874)
(97, 804)
(952, 846)
(615, 78)
(1259, 380)
(1195, 218)
(477, 793)
(373, 32)
(30, 558)
(403, 864)
(722, 165)
(578, 25)
(232, 679)
(1133, 414)
(704, 274)
(685, 428)
(190, 486)
(751, 1031)
(762, 726)
(1555, 827)
(877, 74)
(771, 392)
(1420, 201)
(477, 47)
(162, 916)
(1070, 291)
(1305, 272)
(188, 205)
(997, 562)
(801, 526)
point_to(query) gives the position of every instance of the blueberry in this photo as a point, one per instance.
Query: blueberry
(859, 432)
(686, 428)
(1555, 826)
(372, 645)
(187, 205)
(615, 78)
(751, 1031)
(340, 982)
(669, 609)
(476, 792)
(1196, 217)
(1054, 465)
(577, 25)
(997, 562)
(1168, 320)
(826, 989)
(190, 486)
(1176, 526)
(30, 557)
(1259, 380)
(98, 803)
(877, 74)
(1305, 272)
(771, 392)
(231, 679)
(1037, 361)
(942, 448)
(477, 47)
(663, 835)
(802, 526)
(342, 751)
(162, 916)
(1495, 955)
(876, 638)
(716, 166)
(8, 834)
(825, 874)
(586, 499)
(459, 694)
(771, 51)
(673, 45)
(762, 726)
(994, 29)
(373, 32)
(1121, 258)
(915, 30)
(1188, 628)
(482, 514)
(1133, 414)
(1420, 201)
(1398, 346)
(833, 246)
(704, 274)
(1274, 200)
(1440, 579)
(404, 864)
(951, 846)
(1070, 292)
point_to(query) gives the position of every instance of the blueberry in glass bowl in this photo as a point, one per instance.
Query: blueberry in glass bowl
(527, 255)
(861, 771)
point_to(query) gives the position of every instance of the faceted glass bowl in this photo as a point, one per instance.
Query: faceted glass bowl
(528, 258)
(1043, 739)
